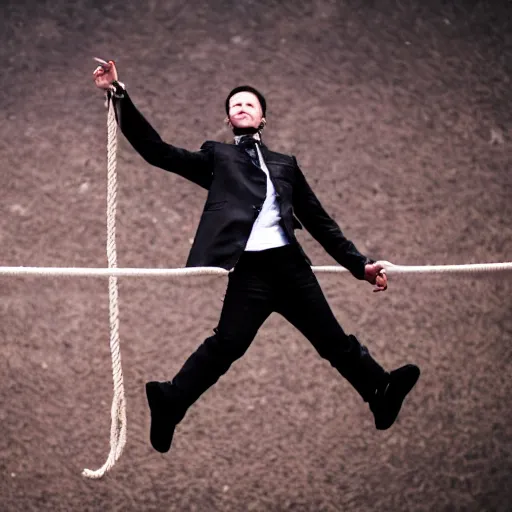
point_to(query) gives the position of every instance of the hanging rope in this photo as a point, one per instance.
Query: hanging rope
(118, 411)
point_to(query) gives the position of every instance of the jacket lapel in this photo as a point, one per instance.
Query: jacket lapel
(277, 163)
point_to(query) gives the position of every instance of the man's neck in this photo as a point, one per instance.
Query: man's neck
(245, 131)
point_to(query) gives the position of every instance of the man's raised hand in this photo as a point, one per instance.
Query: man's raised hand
(104, 75)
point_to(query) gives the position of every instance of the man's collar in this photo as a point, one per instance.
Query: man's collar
(256, 136)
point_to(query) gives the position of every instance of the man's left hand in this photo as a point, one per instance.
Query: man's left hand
(375, 273)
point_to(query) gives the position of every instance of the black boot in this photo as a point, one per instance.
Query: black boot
(388, 398)
(164, 415)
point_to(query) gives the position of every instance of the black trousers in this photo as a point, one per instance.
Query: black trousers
(262, 282)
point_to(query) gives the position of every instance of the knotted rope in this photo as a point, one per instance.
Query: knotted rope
(118, 411)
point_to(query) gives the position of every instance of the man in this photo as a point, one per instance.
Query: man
(256, 199)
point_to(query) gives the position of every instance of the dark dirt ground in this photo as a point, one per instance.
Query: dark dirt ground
(399, 114)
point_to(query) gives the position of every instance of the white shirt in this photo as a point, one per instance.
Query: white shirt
(266, 232)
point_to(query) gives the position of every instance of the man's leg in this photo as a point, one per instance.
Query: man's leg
(303, 304)
(247, 304)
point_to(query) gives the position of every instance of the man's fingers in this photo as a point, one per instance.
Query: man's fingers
(381, 282)
(379, 268)
(99, 71)
(381, 279)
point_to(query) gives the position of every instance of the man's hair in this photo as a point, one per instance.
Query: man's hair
(247, 88)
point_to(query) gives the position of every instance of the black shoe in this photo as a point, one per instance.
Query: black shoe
(162, 421)
(388, 400)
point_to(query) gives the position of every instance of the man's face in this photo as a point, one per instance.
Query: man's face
(245, 110)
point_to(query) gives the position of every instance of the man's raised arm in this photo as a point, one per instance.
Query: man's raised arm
(192, 165)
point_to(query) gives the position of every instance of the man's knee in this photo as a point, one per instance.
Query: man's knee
(226, 347)
(342, 350)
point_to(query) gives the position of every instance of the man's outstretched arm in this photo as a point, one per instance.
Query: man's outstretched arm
(326, 231)
(192, 165)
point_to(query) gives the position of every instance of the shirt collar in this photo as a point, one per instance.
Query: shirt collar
(256, 136)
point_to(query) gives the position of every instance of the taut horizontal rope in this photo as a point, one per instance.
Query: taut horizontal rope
(195, 271)
(391, 268)
(111, 272)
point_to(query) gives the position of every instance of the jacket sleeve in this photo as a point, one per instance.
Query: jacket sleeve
(192, 165)
(323, 228)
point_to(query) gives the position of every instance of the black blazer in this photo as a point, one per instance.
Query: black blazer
(237, 190)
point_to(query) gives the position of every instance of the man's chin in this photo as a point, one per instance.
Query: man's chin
(243, 123)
